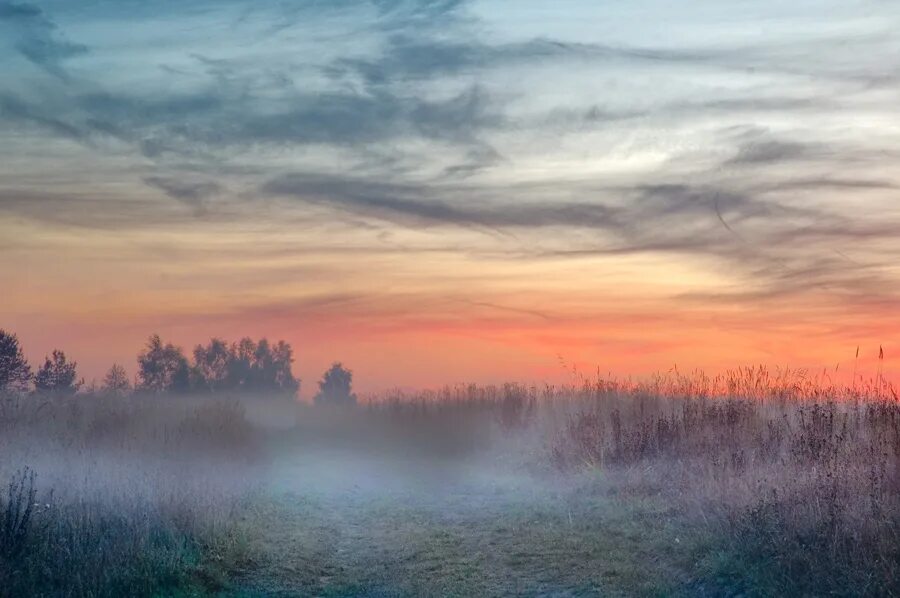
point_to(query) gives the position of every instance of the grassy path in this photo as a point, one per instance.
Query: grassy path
(459, 538)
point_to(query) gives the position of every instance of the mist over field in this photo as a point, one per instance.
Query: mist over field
(756, 482)
(402, 298)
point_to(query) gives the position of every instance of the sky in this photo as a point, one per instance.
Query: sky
(454, 191)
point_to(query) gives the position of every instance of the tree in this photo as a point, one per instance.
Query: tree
(261, 367)
(271, 369)
(283, 377)
(57, 376)
(335, 388)
(242, 358)
(211, 366)
(163, 368)
(262, 375)
(15, 373)
(116, 382)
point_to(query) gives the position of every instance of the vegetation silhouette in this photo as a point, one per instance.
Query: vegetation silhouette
(116, 382)
(754, 482)
(57, 376)
(163, 368)
(15, 373)
(336, 387)
(243, 367)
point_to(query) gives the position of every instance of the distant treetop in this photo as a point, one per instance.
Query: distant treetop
(58, 376)
(335, 388)
(246, 366)
(15, 373)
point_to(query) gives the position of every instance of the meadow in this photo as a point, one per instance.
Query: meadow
(753, 483)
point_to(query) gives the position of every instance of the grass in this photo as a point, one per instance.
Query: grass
(116, 498)
(804, 494)
(84, 549)
(756, 483)
(509, 546)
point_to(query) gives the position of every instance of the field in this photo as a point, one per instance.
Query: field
(755, 483)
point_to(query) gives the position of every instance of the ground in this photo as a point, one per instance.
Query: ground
(459, 530)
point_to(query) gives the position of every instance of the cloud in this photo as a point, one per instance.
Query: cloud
(676, 209)
(14, 109)
(830, 183)
(773, 151)
(411, 204)
(776, 244)
(11, 10)
(411, 55)
(417, 114)
(217, 120)
(83, 209)
(36, 37)
(235, 105)
(191, 192)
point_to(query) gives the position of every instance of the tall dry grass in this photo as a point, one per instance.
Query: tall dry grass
(785, 483)
(122, 497)
(797, 482)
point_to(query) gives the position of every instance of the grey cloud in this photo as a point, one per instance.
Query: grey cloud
(422, 204)
(84, 210)
(776, 244)
(411, 50)
(845, 281)
(369, 105)
(14, 109)
(240, 108)
(11, 10)
(37, 39)
(191, 192)
(830, 183)
(415, 56)
(768, 151)
(576, 118)
(217, 119)
(654, 215)
(415, 11)
(48, 53)
(477, 159)
(671, 218)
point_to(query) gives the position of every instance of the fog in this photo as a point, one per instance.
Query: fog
(602, 489)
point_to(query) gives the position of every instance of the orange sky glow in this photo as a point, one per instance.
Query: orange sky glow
(454, 192)
(403, 322)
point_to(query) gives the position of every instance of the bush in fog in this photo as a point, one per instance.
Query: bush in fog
(335, 387)
(15, 373)
(57, 376)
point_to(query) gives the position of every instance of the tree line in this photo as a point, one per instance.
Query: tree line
(245, 366)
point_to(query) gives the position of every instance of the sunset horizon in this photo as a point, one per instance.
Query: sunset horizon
(442, 192)
(449, 298)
